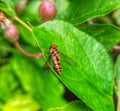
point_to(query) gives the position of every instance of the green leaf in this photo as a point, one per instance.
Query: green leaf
(61, 5)
(26, 35)
(9, 3)
(4, 47)
(8, 83)
(21, 103)
(92, 78)
(44, 87)
(117, 75)
(108, 35)
(80, 11)
(31, 11)
(1, 107)
(6, 9)
(72, 106)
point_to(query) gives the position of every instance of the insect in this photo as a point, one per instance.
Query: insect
(55, 57)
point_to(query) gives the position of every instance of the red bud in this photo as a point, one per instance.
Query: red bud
(47, 10)
(11, 33)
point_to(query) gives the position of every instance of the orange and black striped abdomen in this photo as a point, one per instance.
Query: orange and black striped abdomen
(55, 57)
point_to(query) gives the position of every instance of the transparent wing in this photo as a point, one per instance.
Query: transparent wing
(46, 66)
(68, 60)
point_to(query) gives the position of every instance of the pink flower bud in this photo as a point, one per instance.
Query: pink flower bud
(47, 10)
(7, 23)
(20, 6)
(11, 33)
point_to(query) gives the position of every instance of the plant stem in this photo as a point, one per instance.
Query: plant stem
(23, 23)
(89, 21)
(118, 105)
(17, 45)
(39, 55)
(117, 48)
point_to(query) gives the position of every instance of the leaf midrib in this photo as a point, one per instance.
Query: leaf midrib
(86, 55)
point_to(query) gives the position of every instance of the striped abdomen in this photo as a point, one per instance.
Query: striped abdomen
(55, 57)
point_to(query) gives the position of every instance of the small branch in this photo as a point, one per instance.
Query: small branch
(17, 45)
(116, 48)
(7, 23)
(89, 21)
(23, 23)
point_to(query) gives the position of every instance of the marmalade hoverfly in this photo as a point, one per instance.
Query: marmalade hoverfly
(55, 57)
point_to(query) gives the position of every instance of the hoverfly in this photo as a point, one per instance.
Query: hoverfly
(55, 57)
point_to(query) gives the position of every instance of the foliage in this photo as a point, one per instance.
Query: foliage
(87, 68)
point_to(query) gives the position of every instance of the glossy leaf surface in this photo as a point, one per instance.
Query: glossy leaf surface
(117, 81)
(117, 72)
(21, 103)
(108, 35)
(8, 83)
(43, 87)
(82, 10)
(92, 78)
(6, 6)
(72, 106)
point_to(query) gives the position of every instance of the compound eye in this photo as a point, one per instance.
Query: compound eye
(53, 46)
